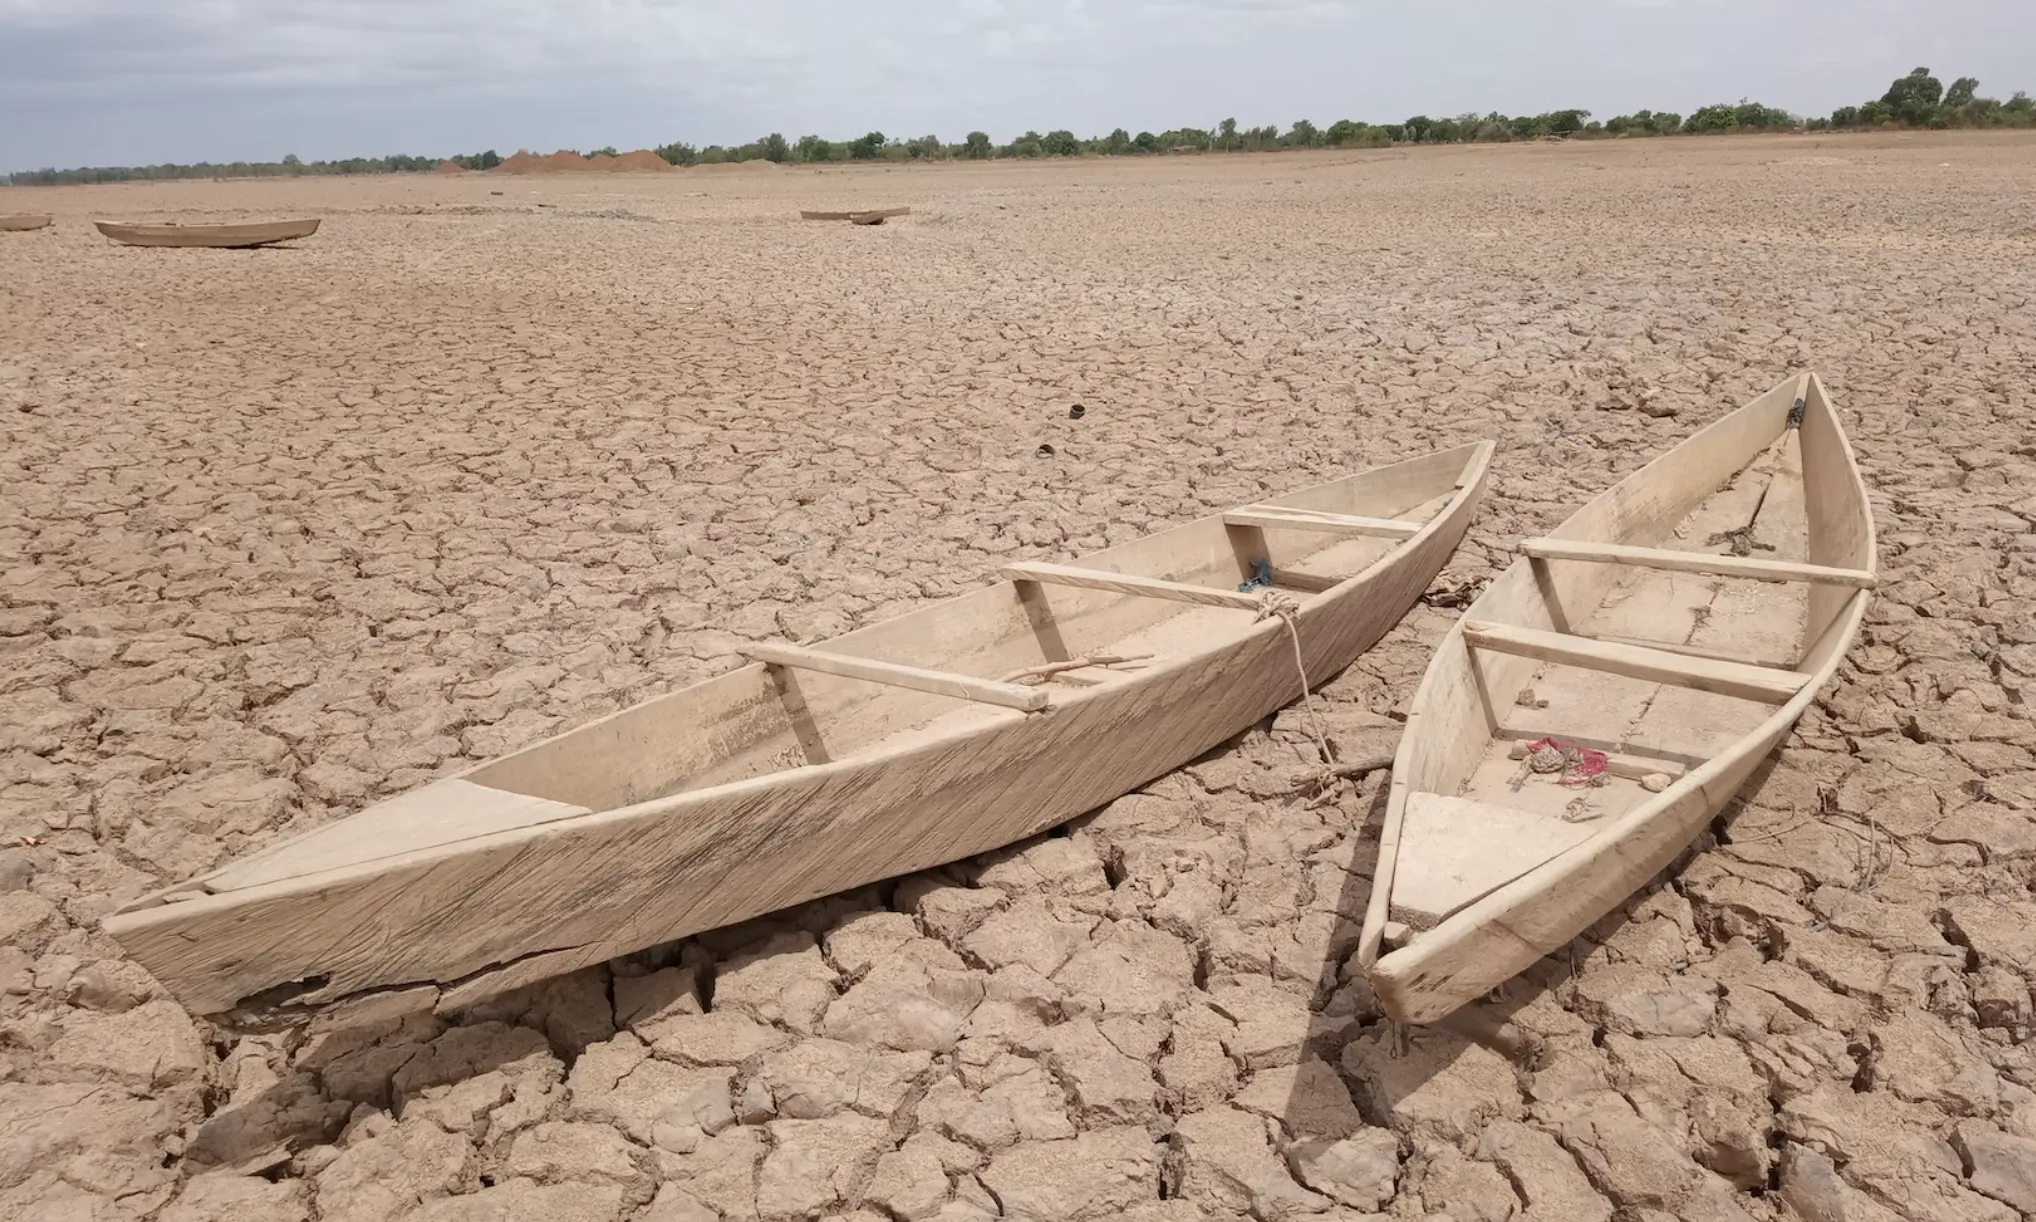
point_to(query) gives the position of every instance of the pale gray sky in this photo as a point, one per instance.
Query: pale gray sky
(95, 82)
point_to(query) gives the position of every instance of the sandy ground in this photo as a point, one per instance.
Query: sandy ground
(285, 531)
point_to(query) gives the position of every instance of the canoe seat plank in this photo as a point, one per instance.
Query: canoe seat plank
(1697, 562)
(937, 682)
(1127, 583)
(1637, 662)
(1456, 850)
(1280, 517)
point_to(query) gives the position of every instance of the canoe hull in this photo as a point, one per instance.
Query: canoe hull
(868, 216)
(1501, 934)
(22, 224)
(458, 922)
(218, 237)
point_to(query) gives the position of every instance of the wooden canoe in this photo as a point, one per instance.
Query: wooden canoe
(22, 223)
(894, 748)
(1678, 625)
(224, 237)
(870, 216)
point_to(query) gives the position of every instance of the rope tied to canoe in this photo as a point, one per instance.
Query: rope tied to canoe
(1272, 604)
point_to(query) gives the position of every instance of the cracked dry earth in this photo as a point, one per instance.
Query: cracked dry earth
(284, 532)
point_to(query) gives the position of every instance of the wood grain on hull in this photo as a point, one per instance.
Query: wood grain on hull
(1467, 696)
(221, 237)
(583, 889)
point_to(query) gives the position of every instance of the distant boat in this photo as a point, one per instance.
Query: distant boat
(868, 216)
(897, 747)
(22, 223)
(226, 237)
(1605, 697)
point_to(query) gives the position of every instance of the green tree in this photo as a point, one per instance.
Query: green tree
(1117, 143)
(866, 147)
(775, 148)
(1959, 96)
(977, 147)
(1304, 135)
(1914, 98)
(1341, 132)
(1718, 118)
(677, 153)
(1060, 143)
(1565, 122)
(606, 152)
(1845, 116)
(813, 148)
(1226, 134)
(1146, 142)
(1031, 144)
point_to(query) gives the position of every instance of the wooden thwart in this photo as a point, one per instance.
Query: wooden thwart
(1636, 662)
(1126, 583)
(1280, 517)
(1697, 562)
(938, 682)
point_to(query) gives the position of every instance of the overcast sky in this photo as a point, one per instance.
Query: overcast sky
(97, 82)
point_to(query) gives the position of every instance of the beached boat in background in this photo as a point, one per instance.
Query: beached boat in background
(225, 237)
(870, 216)
(898, 747)
(22, 222)
(1606, 695)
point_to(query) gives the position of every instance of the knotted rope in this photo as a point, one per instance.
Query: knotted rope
(1274, 605)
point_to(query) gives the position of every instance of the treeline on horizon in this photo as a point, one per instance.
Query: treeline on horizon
(1918, 100)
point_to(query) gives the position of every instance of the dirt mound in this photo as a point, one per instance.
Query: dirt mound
(525, 162)
(449, 167)
(641, 161)
(565, 161)
(755, 166)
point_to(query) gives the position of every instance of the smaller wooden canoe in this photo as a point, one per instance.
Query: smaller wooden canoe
(869, 216)
(222, 237)
(1606, 696)
(22, 223)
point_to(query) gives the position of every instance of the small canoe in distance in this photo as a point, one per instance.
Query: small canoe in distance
(870, 216)
(898, 747)
(1647, 654)
(223, 237)
(22, 223)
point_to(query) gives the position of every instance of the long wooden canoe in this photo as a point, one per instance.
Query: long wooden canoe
(22, 222)
(897, 747)
(226, 237)
(1607, 694)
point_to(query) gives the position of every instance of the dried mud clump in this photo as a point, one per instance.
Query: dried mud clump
(281, 542)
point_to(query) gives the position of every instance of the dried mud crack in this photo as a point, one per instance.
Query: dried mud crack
(281, 536)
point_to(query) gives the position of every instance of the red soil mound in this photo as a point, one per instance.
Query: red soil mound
(641, 161)
(565, 161)
(754, 166)
(449, 167)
